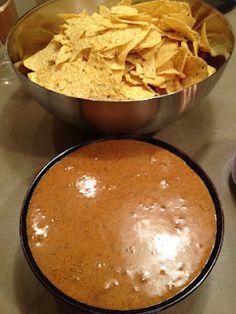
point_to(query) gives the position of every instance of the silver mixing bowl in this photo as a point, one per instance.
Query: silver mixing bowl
(34, 30)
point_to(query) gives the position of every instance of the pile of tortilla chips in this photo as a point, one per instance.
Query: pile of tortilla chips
(131, 51)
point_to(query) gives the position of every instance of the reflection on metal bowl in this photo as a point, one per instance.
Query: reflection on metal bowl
(34, 30)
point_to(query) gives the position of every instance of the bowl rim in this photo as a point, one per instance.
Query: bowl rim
(125, 101)
(197, 281)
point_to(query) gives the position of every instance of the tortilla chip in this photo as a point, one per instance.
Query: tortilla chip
(172, 85)
(179, 59)
(167, 69)
(174, 35)
(168, 23)
(157, 81)
(122, 10)
(152, 39)
(107, 23)
(147, 53)
(220, 46)
(43, 57)
(116, 19)
(134, 58)
(149, 67)
(139, 69)
(186, 46)
(167, 50)
(160, 7)
(184, 16)
(195, 70)
(136, 92)
(169, 86)
(64, 54)
(204, 43)
(177, 85)
(134, 80)
(211, 70)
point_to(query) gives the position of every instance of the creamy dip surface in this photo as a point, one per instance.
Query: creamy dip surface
(121, 224)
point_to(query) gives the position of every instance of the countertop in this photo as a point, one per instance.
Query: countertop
(29, 137)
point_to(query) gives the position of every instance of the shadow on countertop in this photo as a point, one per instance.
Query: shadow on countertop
(31, 297)
(29, 136)
(191, 131)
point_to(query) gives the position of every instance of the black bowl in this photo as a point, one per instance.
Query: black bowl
(155, 308)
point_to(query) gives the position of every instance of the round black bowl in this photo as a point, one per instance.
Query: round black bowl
(155, 308)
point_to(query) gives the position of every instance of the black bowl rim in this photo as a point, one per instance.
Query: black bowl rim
(152, 309)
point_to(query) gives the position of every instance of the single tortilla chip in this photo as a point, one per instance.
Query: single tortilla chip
(177, 85)
(196, 46)
(149, 67)
(167, 50)
(168, 69)
(127, 21)
(220, 46)
(64, 54)
(173, 35)
(195, 70)
(136, 92)
(42, 58)
(168, 23)
(160, 7)
(211, 70)
(123, 10)
(147, 53)
(204, 43)
(157, 81)
(134, 80)
(179, 59)
(185, 17)
(107, 23)
(169, 86)
(173, 85)
(139, 69)
(152, 39)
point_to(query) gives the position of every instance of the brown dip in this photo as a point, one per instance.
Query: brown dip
(121, 224)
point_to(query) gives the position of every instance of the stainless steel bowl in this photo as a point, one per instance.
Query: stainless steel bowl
(34, 30)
